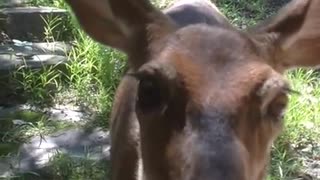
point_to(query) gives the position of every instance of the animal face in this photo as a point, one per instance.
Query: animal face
(200, 103)
(209, 99)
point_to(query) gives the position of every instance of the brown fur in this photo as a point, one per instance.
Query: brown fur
(201, 100)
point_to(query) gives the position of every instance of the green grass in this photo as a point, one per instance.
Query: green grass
(65, 167)
(243, 13)
(20, 126)
(302, 124)
(89, 80)
(94, 71)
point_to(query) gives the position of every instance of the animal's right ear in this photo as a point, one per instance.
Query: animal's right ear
(117, 23)
(292, 37)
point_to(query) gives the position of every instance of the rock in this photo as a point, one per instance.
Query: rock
(11, 62)
(12, 3)
(65, 115)
(27, 23)
(59, 113)
(78, 143)
(315, 165)
(4, 38)
(6, 168)
(28, 48)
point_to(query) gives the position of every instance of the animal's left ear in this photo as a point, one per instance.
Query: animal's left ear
(292, 37)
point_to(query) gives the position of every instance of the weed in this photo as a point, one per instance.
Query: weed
(66, 167)
(301, 125)
(39, 85)
(57, 28)
(52, 3)
(242, 13)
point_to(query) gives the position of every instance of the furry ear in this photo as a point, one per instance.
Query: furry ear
(292, 37)
(127, 25)
(273, 94)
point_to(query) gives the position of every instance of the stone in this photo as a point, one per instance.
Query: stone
(4, 38)
(12, 3)
(5, 168)
(27, 23)
(67, 115)
(12, 61)
(29, 48)
(77, 143)
(58, 113)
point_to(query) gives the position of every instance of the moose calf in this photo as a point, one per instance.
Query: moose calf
(201, 100)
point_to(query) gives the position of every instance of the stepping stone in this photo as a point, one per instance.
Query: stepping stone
(26, 23)
(28, 48)
(11, 62)
(77, 143)
(12, 3)
(65, 113)
(35, 155)
(5, 168)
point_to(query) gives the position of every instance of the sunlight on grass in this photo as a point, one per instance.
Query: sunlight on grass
(95, 72)
(302, 124)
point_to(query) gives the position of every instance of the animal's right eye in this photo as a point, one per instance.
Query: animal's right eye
(149, 93)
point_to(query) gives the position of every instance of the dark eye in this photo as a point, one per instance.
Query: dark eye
(277, 107)
(149, 94)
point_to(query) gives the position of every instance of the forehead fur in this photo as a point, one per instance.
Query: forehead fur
(214, 63)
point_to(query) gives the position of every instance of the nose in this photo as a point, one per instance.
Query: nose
(216, 153)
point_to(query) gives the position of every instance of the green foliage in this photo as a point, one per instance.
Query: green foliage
(95, 72)
(52, 3)
(243, 13)
(39, 85)
(65, 167)
(301, 127)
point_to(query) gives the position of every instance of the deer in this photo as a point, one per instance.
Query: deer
(201, 99)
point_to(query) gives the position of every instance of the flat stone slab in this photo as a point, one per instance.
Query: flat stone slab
(13, 61)
(5, 167)
(27, 23)
(28, 48)
(35, 155)
(77, 143)
(12, 3)
(58, 113)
